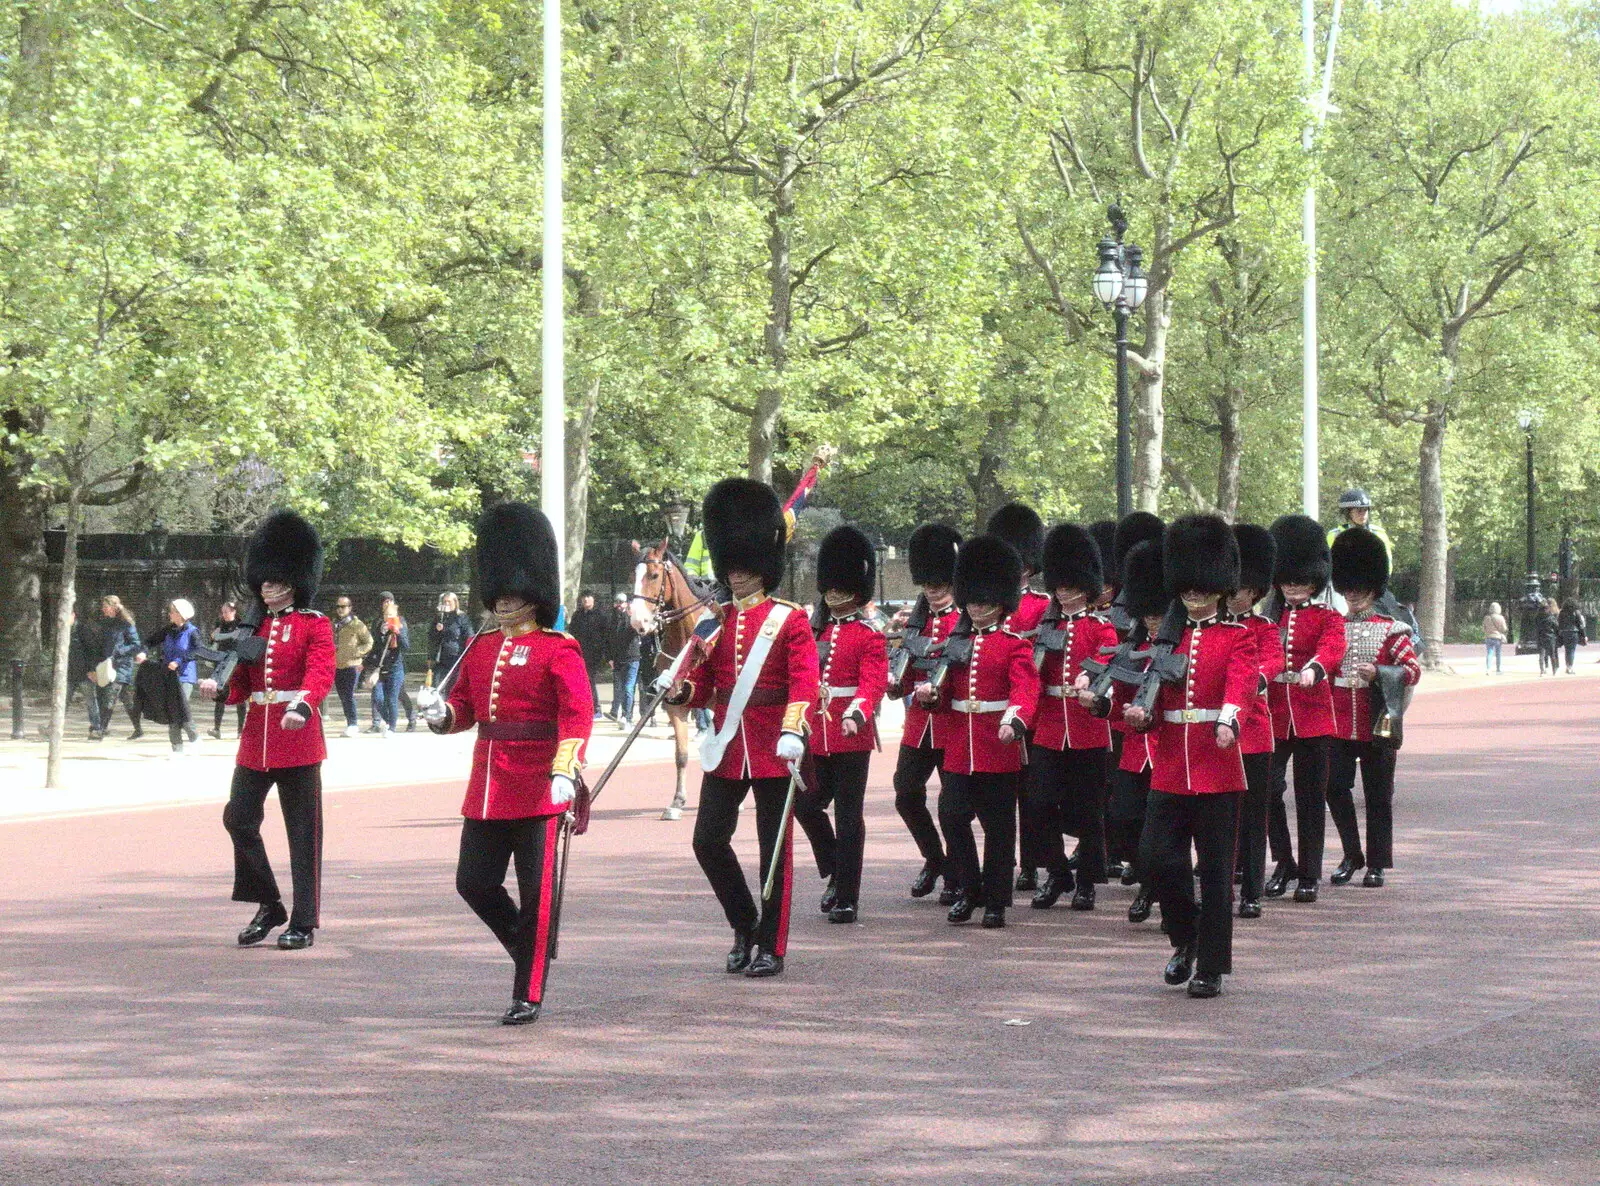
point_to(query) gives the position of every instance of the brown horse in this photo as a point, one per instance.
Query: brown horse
(666, 605)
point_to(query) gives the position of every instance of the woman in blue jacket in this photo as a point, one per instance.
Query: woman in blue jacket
(178, 641)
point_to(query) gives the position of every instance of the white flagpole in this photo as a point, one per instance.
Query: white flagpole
(552, 436)
(1310, 449)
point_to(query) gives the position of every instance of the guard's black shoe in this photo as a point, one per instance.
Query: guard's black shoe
(1347, 869)
(949, 896)
(1181, 966)
(1050, 892)
(1027, 879)
(1278, 883)
(739, 955)
(1139, 908)
(962, 910)
(268, 917)
(1129, 875)
(1306, 891)
(521, 1013)
(845, 912)
(1113, 870)
(830, 897)
(1373, 879)
(925, 882)
(296, 939)
(764, 963)
(994, 918)
(1249, 908)
(1205, 985)
(1084, 898)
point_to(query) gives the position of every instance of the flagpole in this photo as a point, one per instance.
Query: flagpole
(553, 403)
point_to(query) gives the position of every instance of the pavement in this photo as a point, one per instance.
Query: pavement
(1443, 1031)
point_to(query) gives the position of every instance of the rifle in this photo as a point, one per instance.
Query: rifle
(1161, 666)
(957, 649)
(1118, 665)
(231, 647)
(1050, 636)
(913, 648)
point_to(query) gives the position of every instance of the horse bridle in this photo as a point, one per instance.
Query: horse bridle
(665, 614)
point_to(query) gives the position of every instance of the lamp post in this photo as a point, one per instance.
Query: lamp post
(1120, 284)
(1532, 593)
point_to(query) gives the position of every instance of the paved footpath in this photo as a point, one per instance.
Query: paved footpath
(1444, 1030)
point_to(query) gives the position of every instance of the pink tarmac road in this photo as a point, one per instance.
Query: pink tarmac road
(1444, 1030)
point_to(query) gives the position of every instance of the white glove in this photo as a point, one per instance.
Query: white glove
(562, 790)
(791, 748)
(296, 717)
(433, 707)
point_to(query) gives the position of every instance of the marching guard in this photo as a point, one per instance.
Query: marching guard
(760, 679)
(281, 742)
(854, 660)
(524, 686)
(1199, 773)
(1312, 639)
(932, 555)
(1380, 666)
(1068, 756)
(1256, 555)
(986, 678)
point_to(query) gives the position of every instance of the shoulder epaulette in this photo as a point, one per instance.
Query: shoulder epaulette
(315, 613)
(561, 634)
(781, 601)
(1231, 622)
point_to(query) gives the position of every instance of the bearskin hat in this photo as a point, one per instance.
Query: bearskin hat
(988, 572)
(1256, 554)
(1144, 586)
(1134, 529)
(285, 548)
(1360, 562)
(1199, 552)
(1072, 558)
(1105, 538)
(933, 554)
(847, 562)
(517, 555)
(1021, 527)
(1302, 552)
(744, 528)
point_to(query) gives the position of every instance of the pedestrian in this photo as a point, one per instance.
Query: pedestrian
(1374, 643)
(593, 632)
(648, 650)
(1574, 631)
(624, 655)
(760, 678)
(1494, 636)
(386, 667)
(282, 741)
(524, 686)
(352, 643)
(451, 631)
(987, 678)
(1199, 775)
(1312, 637)
(924, 629)
(1547, 634)
(176, 642)
(119, 642)
(853, 660)
(1257, 553)
(1070, 750)
(83, 662)
(227, 622)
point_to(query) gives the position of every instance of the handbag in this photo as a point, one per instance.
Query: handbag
(105, 673)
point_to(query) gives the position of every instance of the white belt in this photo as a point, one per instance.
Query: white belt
(275, 697)
(1061, 693)
(1340, 681)
(1286, 677)
(1191, 716)
(829, 695)
(979, 706)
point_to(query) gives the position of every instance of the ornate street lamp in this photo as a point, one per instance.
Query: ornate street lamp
(1533, 593)
(1120, 285)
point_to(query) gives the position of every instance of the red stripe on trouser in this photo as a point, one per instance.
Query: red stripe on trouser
(780, 945)
(534, 990)
(316, 853)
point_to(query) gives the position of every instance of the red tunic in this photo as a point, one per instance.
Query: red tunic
(1138, 751)
(1030, 611)
(298, 665)
(1255, 735)
(999, 684)
(920, 722)
(1061, 722)
(1372, 639)
(535, 676)
(784, 691)
(1309, 636)
(855, 675)
(1222, 677)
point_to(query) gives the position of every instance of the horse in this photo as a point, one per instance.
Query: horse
(666, 602)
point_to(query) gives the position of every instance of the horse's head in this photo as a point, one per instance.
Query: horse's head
(652, 588)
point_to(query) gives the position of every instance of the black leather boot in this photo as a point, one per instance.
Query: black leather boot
(994, 918)
(1373, 879)
(842, 912)
(1249, 908)
(1278, 884)
(764, 963)
(962, 910)
(1206, 985)
(296, 939)
(521, 1013)
(1027, 880)
(1347, 869)
(830, 897)
(739, 955)
(270, 916)
(1050, 892)
(1181, 966)
(1306, 891)
(1139, 908)
(1084, 898)
(925, 882)
(949, 895)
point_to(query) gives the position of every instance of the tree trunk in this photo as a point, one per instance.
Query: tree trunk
(1150, 407)
(1433, 587)
(1231, 450)
(780, 279)
(578, 436)
(22, 564)
(61, 678)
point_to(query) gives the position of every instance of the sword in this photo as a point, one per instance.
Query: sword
(783, 829)
(561, 892)
(616, 759)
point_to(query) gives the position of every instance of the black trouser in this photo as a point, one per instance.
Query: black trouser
(523, 927)
(105, 703)
(1377, 787)
(1125, 817)
(220, 704)
(1252, 846)
(841, 781)
(912, 769)
(1066, 794)
(991, 799)
(714, 826)
(300, 796)
(1208, 822)
(344, 682)
(1310, 755)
